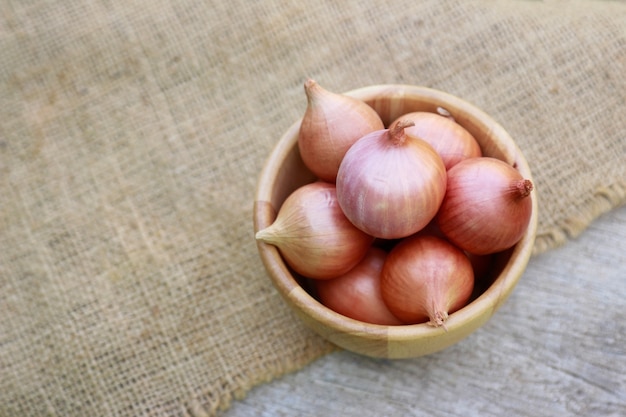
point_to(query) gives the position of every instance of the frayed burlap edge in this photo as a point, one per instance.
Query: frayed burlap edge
(604, 200)
(209, 405)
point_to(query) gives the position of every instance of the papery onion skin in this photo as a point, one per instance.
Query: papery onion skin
(424, 279)
(487, 207)
(313, 235)
(451, 140)
(331, 124)
(390, 185)
(356, 294)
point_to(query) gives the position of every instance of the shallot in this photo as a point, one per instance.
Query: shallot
(451, 140)
(390, 185)
(314, 236)
(487, 207)
(426, 278)
(331, 124)
(356, 294)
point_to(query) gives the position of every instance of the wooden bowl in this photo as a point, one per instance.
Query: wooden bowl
(284, 172)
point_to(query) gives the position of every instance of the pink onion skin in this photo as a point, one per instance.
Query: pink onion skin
(451, 140)
(487, 207)
(426, 278)
(331, 124)
(313, 235)
(390, 185)
(356, 294)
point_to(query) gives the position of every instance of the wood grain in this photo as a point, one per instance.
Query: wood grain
(556, 348)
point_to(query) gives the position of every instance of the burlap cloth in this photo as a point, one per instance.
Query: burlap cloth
(132, 133)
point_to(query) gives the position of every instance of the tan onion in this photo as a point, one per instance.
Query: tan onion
(451, 140)
(356, 294)
(314, 236)
(331, 124)
(426, 278)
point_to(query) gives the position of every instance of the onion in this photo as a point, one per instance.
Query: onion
(426, 278)
(487, 207)
(451, 141)
(330, 125)
(314, 236)
(389, 184)
(356, 294)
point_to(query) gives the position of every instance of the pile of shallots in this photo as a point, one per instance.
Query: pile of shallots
(402, 220)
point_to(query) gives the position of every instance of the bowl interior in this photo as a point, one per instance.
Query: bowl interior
(284, 172)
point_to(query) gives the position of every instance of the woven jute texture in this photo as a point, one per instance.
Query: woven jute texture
(132, 133)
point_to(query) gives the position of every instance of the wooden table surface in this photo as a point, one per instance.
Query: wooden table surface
(556, 348)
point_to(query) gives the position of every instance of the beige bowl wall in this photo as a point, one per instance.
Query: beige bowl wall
(284, 172)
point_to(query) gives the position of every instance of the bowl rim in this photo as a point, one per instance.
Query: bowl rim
(460, 323)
